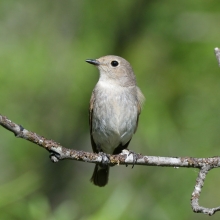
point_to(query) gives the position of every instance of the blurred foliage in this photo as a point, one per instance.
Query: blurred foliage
(45, 85)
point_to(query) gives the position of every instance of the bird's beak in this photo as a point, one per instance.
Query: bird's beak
(94, 62)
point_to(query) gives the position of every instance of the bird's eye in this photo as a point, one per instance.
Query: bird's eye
(114, 63)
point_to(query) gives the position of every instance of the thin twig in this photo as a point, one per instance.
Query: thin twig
(196, 193)
(59, 152)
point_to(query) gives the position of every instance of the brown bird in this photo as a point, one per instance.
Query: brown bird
(115, 106)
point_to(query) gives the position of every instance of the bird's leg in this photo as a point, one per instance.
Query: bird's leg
(134, 155)
(105, 159)
(54, 156)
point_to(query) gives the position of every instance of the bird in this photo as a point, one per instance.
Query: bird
(114, 110)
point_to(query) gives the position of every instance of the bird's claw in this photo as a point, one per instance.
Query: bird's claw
(54, 156)
(105, 159)
(134, 155)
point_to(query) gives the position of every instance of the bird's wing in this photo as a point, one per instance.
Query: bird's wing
(140, 101)
(92, 100)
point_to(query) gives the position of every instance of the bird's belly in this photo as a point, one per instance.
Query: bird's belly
(113, 123)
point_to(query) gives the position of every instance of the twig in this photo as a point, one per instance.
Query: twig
(197, 190)
(58, 152)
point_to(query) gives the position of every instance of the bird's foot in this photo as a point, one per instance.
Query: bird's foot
(131, 155)
(54, 156)
(105, 160)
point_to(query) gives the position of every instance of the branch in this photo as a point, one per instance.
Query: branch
(58, 152)
(196, 193)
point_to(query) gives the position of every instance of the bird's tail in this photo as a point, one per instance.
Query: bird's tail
(100, 175)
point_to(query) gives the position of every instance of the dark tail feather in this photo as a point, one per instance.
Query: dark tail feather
(100, 175)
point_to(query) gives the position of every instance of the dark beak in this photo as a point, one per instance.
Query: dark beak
(94, 62)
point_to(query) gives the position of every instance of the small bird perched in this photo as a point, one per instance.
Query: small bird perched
(115, 106)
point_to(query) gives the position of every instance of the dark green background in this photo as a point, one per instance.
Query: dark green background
(45, 85)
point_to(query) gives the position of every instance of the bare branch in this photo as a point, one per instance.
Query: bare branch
(58, 152)
(196, 193)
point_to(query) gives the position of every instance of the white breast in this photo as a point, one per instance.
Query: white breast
(114, 116)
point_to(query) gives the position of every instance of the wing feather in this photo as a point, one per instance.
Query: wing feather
(92, 100)
(140, 102)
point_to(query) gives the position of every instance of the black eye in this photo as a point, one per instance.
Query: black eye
(114, 63)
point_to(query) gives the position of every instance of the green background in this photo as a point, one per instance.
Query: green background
(45, 85)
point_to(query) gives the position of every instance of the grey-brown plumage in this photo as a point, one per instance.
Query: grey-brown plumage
(115, 106)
